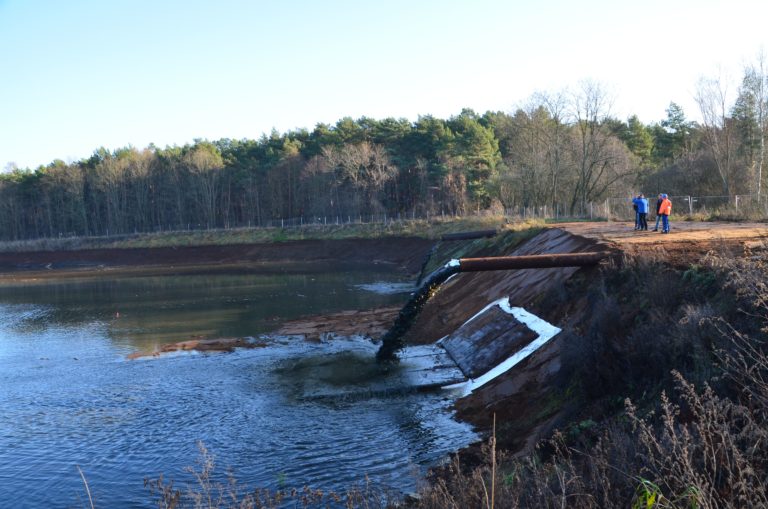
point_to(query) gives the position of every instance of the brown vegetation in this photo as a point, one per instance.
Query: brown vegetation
(676, 443)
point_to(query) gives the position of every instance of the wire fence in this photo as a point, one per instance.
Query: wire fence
(612, 209)
(615, 209)
(743, 205)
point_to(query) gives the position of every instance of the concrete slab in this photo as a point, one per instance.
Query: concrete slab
(486, 340)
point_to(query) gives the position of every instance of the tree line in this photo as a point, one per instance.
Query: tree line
(561, 149)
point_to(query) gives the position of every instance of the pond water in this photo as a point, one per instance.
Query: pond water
(70, 398)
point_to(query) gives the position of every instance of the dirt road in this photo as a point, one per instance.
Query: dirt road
(686, 242)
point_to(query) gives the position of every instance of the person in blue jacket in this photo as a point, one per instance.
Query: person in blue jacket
(641, 202)
(637, 215)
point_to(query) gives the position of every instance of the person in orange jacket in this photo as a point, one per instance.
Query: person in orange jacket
(659, 200)
(665, 209)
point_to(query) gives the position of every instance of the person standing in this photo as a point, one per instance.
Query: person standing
(665, 209)
(637, 214)
(641, 205)
(658, 216)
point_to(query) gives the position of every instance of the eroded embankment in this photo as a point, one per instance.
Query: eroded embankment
(531, 399)
(522, 394)
(466, 294)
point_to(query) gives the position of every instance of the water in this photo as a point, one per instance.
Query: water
(70, 398)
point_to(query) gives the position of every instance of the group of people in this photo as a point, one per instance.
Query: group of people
(663, 210)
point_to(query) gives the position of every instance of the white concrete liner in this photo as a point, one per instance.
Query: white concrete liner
(544, 329)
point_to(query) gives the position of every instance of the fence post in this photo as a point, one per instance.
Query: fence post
(737, 202)
(590, 210)
(690, 206)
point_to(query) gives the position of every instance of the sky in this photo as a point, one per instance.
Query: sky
(77, 75)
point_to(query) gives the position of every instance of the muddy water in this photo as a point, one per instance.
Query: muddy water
(69, 397)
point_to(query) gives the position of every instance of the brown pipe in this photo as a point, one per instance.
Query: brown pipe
(532, 261)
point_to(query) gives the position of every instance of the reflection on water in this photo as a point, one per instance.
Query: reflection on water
(70, 398)
(148, 311)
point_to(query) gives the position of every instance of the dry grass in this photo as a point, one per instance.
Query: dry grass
(208, 493)
(695, 447)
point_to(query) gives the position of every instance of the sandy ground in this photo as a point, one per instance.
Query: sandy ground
(686, 243)
(624, 235)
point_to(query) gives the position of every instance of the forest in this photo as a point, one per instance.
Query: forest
(562, 150)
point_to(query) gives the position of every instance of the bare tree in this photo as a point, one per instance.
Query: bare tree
(137, 172)
(110, 181)
(712, 98)
(600, 159)
(537, 156)
(756, 86)
(556, 105)
(204, 164)
(364, 166)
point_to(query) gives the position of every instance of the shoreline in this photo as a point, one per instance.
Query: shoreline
(404, 254)
(368, 323)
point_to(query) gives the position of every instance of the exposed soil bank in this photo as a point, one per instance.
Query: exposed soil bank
(370, 323)
(527, 400)
(403, 253)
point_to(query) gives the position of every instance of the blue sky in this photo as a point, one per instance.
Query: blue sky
(79, 74)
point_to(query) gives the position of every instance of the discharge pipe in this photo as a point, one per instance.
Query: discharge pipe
(392, 341)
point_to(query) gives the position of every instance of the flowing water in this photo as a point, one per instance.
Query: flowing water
(69, 397)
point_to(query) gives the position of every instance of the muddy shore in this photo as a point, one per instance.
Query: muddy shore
(371, 323)
(402, 253)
